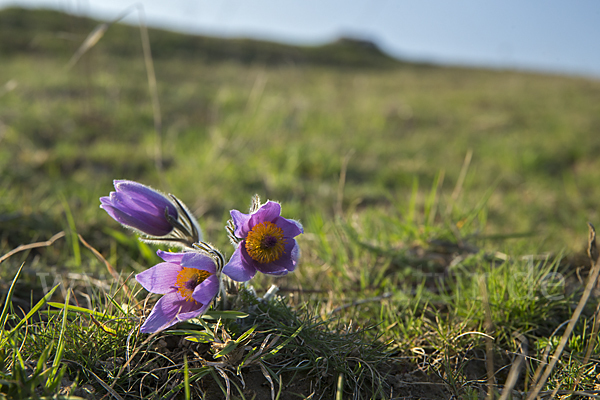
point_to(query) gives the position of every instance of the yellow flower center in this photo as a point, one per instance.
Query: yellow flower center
(265, 242)
(188, 279)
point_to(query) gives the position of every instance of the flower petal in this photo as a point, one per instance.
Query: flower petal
(137, 221)
(192, 314)
(159, 279)
(167, 312)
(295, 253)
(199, 261)
(237, 268)
(241, 223)
(170, 256)
(206, 291)
(269, 211)
(272, 269)
(139, 207)
(144, 206)
(286, 263)
(290, 228)
(279, 268)
(145, 195)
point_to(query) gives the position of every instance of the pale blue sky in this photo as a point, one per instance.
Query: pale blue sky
(551, 35)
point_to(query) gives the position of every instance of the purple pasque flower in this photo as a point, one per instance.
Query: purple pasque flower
(189, 282)
(140, 207)
(159, 218)
(265, 243)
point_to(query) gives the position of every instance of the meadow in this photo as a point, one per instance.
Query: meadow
(445, 212)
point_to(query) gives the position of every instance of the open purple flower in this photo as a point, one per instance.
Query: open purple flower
(140, 207)
(266, 243)
(189, 282)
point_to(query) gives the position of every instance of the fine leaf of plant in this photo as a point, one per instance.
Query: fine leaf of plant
(224, 315)
(225, 391)
(73, 310)
(31, 312)
(56, 375)
(186, 378)
(116, 304)
(76, 309)
(198, 374)
(431, 203)
(73, 230)
(7, 302)
(233, 344)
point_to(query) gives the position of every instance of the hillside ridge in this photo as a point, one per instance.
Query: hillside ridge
(49, 31)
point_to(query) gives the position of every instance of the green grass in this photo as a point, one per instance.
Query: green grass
(442, 207)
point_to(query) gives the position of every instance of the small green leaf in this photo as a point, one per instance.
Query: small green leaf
(281, 346)
(7, 301)
(245, 335)
(186, 378)
(116, 304)
(34, 309)
(43, 358)
(59, 348)
(224, 315)
(229, 347)
(204, 338)
(77, 309)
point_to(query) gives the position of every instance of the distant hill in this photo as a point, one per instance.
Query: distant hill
(46, 31)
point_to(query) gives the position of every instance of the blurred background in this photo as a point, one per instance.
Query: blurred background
(551, 36)
(461, 119)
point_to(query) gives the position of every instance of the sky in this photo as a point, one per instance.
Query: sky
(555, 36)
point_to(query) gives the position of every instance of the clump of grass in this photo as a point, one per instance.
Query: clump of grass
(359, 344)
(456, 299)
(101, 350)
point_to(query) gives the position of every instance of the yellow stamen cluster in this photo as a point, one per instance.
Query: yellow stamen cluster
(188, 279)
(265, 242)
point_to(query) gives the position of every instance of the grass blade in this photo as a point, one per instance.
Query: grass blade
(431, 203)
(186, 378)
(286, 341)
(7, 301)
(412, 205)
(34, 309)
(76, 309)
(246, 334)
(73, 236)
(60, 347)
(112, 300)
(224, 315)
(89, 42)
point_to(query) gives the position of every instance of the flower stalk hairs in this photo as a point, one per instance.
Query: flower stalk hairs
(190, 280)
